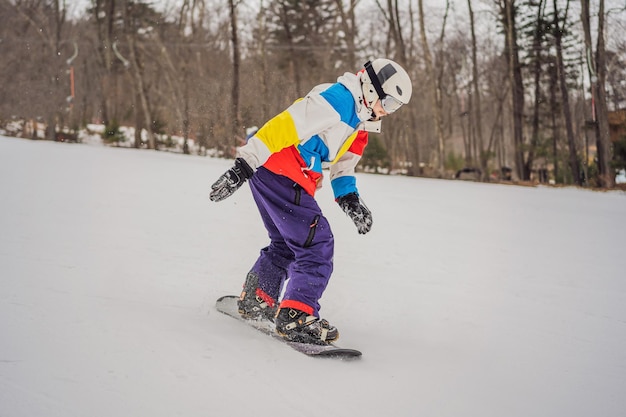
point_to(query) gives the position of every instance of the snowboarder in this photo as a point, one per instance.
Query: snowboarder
(283, 163)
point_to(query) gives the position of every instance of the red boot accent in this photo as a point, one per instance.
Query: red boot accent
(269, 300)
(297, 305)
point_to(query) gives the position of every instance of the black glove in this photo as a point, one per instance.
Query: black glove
(231, 180)
(353, 206)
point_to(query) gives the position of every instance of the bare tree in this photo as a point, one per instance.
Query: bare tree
(559, 29)
(183, 72)
(483, 156)
(554, 111)
(508, 13)
(435, 88)
(349, 26)
(104, 14)
(236, 116)
(284, 14)
(262, 37)
(49, 19)
(539, 29)
(138, 72)
(403, 138)
(597, 71)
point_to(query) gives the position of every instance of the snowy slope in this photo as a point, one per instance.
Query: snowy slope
(467, 299)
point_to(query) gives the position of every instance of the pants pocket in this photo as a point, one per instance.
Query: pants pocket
(298, 194)
(312, 230)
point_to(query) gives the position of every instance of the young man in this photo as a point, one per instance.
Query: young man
(283, 162)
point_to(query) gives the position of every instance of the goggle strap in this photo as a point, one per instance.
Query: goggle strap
(374, 79)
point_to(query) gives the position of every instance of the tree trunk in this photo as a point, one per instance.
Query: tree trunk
(553, 113)
(139, 122)
(262, 39)
(434, 91)
(236, 118)
(293, 56)
(483, 154)
(537, 72)
(348, 24)
(567, 113)
(596, 63)
(607, 176)
(517, 87)
(104, 30)
(141, 90)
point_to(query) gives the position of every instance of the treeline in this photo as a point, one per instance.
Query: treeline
(501, 86)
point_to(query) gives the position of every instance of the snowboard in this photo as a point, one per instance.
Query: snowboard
(228, 305)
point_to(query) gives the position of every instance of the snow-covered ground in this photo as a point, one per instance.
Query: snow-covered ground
(466, 299)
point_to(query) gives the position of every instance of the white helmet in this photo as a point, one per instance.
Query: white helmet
(386, 80)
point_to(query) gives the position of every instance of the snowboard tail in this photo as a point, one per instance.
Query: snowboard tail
(228, 305)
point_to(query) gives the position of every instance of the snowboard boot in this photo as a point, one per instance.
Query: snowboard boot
(254, 303)
(298, 326)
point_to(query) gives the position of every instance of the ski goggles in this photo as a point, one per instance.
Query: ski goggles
(390, 103)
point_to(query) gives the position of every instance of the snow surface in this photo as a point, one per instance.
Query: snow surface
(467, 299)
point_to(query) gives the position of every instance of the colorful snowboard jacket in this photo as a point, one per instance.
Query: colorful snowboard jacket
(326, 128)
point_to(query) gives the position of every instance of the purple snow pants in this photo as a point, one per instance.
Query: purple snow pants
(301, 242)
